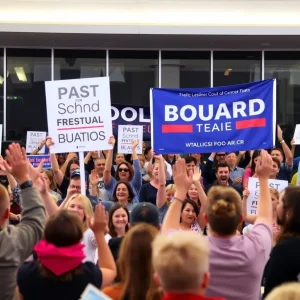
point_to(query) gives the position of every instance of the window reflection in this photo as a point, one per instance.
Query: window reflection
(232, 67)
(185, 69)
(132, 74)
(75, 64)
(27, 70)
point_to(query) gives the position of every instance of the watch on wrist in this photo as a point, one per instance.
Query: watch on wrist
(26, 184)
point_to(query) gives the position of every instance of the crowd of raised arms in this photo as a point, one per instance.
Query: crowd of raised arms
(149, 226)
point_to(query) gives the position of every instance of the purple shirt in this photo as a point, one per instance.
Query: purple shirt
(237, 264)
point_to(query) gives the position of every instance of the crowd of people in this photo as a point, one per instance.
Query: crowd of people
(149, 226)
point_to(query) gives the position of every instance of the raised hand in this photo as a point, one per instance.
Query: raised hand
(279, 133)
(34, 173)
(99, 223)
(112, 140)
(49, 142)
(264, 165)
(196, 174)
(180, 177)
(134, 144)
(94, 177)
(17, 164)
(41, 184)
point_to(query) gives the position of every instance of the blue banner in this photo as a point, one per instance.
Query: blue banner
(36, 159)
(131, 115)
(230, 118)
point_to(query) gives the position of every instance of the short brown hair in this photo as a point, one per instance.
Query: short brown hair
(63, 229)
(275, 159)
(224, 210)
(129, 166)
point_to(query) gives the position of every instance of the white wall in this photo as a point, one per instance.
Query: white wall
(156, 16)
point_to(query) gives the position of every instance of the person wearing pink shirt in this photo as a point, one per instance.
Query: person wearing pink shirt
(236, 262)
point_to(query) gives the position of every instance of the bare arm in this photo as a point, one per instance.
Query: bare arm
(106, 263)
(108, 163)
(263, 171)
(287, 152)
(38, 149)
(70, 156)
(87, 157)
(183, 183)
(161, 193)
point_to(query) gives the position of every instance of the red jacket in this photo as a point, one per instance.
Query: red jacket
(173, 296)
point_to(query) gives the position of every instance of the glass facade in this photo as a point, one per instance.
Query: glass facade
(27, 70)
(185, 69)
(233, 67)
(132, 73)
(74, 64)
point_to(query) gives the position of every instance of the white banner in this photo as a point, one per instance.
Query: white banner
(79, 114)
(34, 139)
(126, 135)
(297, 135)
(253, 187)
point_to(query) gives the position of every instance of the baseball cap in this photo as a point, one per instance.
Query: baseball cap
(77, 173)
(145, 212)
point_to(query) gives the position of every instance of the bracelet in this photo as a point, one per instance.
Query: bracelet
(178, 199)
(39, 148)
(283, 141)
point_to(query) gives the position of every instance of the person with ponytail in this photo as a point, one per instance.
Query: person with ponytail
(59, 271)
(236, 262)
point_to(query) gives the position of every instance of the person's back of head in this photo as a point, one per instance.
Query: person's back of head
(181, 263)
(288, 291)
(134, 263)
(4, 205)
(60, 253)
(289, 217)
(224, 210)
(145, 212)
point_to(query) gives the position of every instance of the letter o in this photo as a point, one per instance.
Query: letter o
(184, 109)
(95, 138)
(123, 114)
(114, 113)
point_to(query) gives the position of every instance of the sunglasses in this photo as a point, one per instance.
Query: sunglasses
(221, 154)
(123, 170)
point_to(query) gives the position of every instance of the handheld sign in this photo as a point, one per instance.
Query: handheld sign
(126, 135)
(36, 159)
(253, 187)
(233, 118)
(297, 135)
(92, 293)
(34, 139)
(79, 114)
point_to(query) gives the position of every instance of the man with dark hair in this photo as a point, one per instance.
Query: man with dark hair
(223, 177)
(143, 212)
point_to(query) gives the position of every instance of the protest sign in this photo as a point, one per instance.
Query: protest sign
(232, 118)
(253, 187)
(36, 159)
(297, 135)
(93, 293)
(79, 114)
(298, 175)
(131, 115)
(128, 134)
(34, 139)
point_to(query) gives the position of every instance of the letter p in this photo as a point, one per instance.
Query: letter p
(61, 92)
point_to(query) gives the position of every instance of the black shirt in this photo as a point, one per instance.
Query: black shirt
(283, 265)
(35, 287)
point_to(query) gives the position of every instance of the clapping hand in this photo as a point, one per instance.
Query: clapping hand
(182, 180)
(264, 165)
(99, 223)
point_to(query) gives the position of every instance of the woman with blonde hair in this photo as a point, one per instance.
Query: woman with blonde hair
(78, 204)
(288, 291)
(231, 256)
(135, 267)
